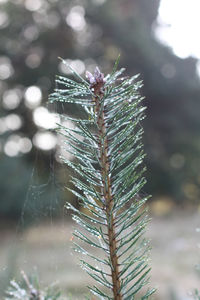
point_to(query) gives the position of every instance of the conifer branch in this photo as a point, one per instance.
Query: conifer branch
(109, 176)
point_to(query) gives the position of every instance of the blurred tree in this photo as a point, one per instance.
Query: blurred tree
(89, 32)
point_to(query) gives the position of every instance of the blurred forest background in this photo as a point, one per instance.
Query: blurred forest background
(33, 34)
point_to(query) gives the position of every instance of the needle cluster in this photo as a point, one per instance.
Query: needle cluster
(108, 178)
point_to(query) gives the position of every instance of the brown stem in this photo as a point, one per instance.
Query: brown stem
(107, 194)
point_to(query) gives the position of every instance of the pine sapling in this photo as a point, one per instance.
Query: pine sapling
(108, 178)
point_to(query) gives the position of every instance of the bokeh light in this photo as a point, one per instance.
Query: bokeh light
(16, 145)
(33, 96)
(31, 32)
(4, 19)
(33, 60)
(45, 140)
(43, 118)
(13, 122)
(76, 19)
(12, 98)
(33, 5)
(6, 68)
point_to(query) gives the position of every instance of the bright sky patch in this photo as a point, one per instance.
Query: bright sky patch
(179, 26)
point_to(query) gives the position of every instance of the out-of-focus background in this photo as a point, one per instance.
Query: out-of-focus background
(159, 40)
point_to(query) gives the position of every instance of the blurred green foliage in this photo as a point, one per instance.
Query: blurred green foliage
(89, 33)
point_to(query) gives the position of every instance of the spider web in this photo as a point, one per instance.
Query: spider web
(41, 243)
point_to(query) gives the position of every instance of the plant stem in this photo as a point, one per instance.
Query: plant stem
(107, 194)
